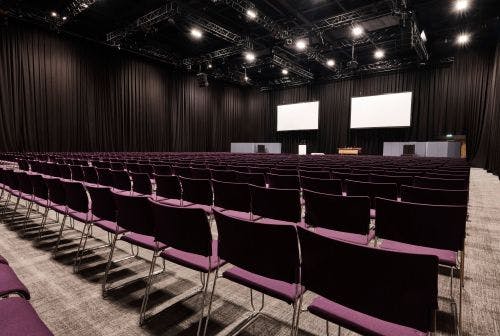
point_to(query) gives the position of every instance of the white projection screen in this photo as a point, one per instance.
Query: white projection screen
(387, 110)
(295, 117)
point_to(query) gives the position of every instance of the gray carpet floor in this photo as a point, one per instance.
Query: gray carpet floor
(71, 304)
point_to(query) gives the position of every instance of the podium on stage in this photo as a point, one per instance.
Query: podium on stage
(350, 151)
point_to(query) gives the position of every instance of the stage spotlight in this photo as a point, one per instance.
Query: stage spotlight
(463, 38)
(85, 5)
(250, 56)
(301, 44)
(64, 18)
(196, 33)
(357, 31)
(379, 53)
(54, 14)
(461, 5)
(284, 71)
(423, 36)
(330, 63)
(209, 65)
(246, 78)
(251, 13)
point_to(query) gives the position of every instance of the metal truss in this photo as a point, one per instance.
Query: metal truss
(163, 13)
(214, 28)
(221, 53)
(153, 52)
(416, 41)
(291, 66)
(75, 8)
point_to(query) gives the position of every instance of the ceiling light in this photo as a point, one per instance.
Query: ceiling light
(463, 38)
(209, 65)
(53, 14)
(85, 5)
(379, 53)
(251, 13)
(423, 36)
(357, 31)
(196, 33)
(284, 71)
(461, 5)
(246, 78)
(301, 44)
(64, 18)
(330, 63)
(250, 56)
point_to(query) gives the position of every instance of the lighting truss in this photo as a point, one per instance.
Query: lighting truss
(416, 40)
(222, 53)
(75, 8)
(291, 66)
(214, 28)
(153, 52)
(163, 13)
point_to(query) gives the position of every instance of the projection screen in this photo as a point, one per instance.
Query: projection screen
(294, 117)
(387, 110)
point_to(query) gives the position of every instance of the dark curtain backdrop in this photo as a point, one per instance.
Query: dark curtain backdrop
(65, 94)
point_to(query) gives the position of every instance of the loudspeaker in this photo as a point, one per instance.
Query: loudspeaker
(202, 79)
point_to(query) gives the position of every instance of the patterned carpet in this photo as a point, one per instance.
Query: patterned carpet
(71, 304)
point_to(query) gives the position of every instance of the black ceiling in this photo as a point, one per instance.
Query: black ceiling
(161, 30)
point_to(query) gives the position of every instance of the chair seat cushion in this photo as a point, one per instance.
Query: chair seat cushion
(27, 197)
(194, 261)
(10, 283)
(358, 322)
(58, 207)
(207, 208)
(275, 288)
(40, 201)
(3, 260)
(265, 220)
(81, 216)
(147, 242)
(446, 257)
(234, 213)
(354, 238)
(19, 319)
(109, 226)
(167, 201)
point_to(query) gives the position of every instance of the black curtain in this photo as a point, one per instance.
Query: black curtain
(61, 94)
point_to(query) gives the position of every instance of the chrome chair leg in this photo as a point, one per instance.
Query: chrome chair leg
(216, 275)
(60, 235)
(108, 266)
(142, 314)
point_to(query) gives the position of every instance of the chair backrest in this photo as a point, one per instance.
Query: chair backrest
(265, 249)
(258, 179)
(279, 204)
(117, 166)
(351, 176)
(121, 180)
(134, 213)
(341, 213)
(168, 186)
(133, 167)
(162, 170)
(185, 229)
(319, 174)
(283, 181)
(76, 196)
(23, 165)
(141, 183)
(90, 174)
(404, 291)
(146, 168)
(261, 170)
(57, 194)
(25, 185)
(198, 191)
(439, 183)
(436, 226)
(326, 186)
(105, 178)
(64, 171)
(434, 196)
(200, 173)
(103, 203)
(182, 171)
(372, 190)
(284, 171)
(224, 175)
(231, 196)
(40, 189)
(399, 180)
(76, 173)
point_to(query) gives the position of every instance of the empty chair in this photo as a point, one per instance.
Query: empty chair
(401, 300)
(121, 180)
(426, 229)
(162, 169)
(326, 186)
(23, 165)
(20, 319)
(232, 198)
(283, 181)
(168, 190)
(200, 173)
(261, 170)
(105, 177)
(258, 179)
(117, 166)
(40, 194)
(284, 171)
(64, 171)
(10, 284)
(399, 180)
(439, 183)
(434, 196)
(182, 171)
(224, 175)
(242, 169)
(372, 190)
(141, 183)
(146, 168)
(351, 176)
(186, 232)
(134, 214)
(319, 174)
(340, 217)
(133, 167)
(90, 174)
(77, 173)
(265, 258)
(57, 200)
(197, 193)
(275, 205)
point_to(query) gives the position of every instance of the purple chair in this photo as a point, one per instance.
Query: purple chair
(425, 229)
(275, 205)
(283, 181)
(434, 196)
(258, 179)
(90, 175)
(10, 284)
(265, 258)
(20, 319)
(372, 190)
(401, 300)
(325, 186)
(318, 174)
(134, 214)
(197, 193)
(105, 178)
(77, 173)
(141, 183)
(340, 217)
(64, 171)
(284, 171)
(232, 198)
(186, 232)
(162, 169)
(57, 201)
(224, 175)
(200, 173)
(121, 180)
(440, 183)
(168, 190)
(182, 171)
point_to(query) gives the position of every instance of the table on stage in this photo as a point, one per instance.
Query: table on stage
(350, 151)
